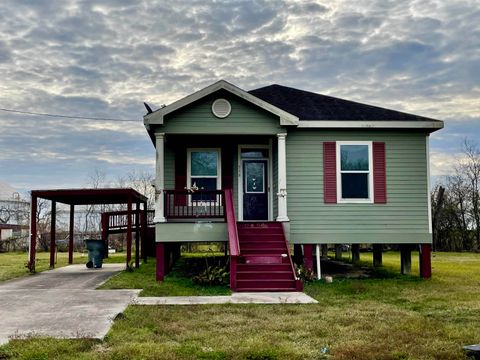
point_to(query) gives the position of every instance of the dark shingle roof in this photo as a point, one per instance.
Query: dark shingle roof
(311, 106)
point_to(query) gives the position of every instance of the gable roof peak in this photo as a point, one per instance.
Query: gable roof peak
(156, 117)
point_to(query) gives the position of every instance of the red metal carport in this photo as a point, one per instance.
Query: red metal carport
(74, 197)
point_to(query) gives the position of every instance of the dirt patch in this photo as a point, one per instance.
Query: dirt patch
(339, 269)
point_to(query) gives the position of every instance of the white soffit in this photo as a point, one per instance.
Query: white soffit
(385, 124)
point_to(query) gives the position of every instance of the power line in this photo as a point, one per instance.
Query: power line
(66, 116)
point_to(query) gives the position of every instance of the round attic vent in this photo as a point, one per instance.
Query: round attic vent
(221, 108)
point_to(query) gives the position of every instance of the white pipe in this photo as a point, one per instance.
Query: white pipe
(319, 271)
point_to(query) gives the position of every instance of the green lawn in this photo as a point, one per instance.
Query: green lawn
(12, 265)
(177, 283)
(396, 317)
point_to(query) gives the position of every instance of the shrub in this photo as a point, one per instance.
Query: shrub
(305, 274)
(212, 275)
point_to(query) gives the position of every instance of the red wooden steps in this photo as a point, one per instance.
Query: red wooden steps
(270, 251)
(264, 275)
(265, 284)
(265, 265)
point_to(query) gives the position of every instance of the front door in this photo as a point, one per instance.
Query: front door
(255, 190)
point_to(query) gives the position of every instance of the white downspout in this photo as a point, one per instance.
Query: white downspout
(319, 270)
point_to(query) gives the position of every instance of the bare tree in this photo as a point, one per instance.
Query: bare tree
(14, 210)
(43, 218)
(6, 213)
(456, 209)
(458, 197)
(141, 181)
(96, 179)
(470, 168)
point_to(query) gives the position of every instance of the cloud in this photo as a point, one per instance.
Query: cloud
(104, 58)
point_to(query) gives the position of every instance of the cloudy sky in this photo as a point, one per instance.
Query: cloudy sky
(104, 58)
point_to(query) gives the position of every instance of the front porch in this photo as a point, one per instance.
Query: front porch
(193, 170)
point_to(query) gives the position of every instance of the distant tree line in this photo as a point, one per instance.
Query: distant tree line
(456, 204)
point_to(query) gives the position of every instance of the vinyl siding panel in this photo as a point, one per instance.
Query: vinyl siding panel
(198, 118)
(403, 219)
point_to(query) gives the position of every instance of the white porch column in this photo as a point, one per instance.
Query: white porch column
(282, 178)
(159, 178)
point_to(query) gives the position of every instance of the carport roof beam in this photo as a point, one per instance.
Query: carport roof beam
(91, 196)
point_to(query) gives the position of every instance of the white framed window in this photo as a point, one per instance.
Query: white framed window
(354, 172)
(204, 168)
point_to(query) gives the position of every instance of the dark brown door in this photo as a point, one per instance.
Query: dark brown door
(255, 190)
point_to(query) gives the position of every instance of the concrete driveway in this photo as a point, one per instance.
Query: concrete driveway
(62, 303)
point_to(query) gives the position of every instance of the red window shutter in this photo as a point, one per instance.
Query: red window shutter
(330, 172)
(379, 173)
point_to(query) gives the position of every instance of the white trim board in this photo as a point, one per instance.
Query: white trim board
(240, 177)
(341, 200)
(219, 165)
(393, 124)
(429, 202)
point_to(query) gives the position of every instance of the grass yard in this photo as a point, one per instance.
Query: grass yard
(395, 317)
(12, 265)
(177, 283)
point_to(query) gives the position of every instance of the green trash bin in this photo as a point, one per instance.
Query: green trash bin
(96, 250)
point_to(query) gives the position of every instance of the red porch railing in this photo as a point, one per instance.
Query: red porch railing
(183, 204)
(118, 220)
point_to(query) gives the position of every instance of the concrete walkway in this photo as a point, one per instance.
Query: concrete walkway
(62, 303)
(235, 298)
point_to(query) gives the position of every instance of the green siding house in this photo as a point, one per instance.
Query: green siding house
(274, 166)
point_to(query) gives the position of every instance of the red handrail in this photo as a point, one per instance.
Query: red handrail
(231, 224)
(233, 241)
(289, 255)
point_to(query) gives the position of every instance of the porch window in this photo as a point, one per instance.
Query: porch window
(354, 175)
(203, 169)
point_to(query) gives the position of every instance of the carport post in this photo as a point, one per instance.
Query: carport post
(70, 235)
(129, 230)
(144, 233)
(52, 233)
(137, 235)
(104, 221)
(33, 233)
